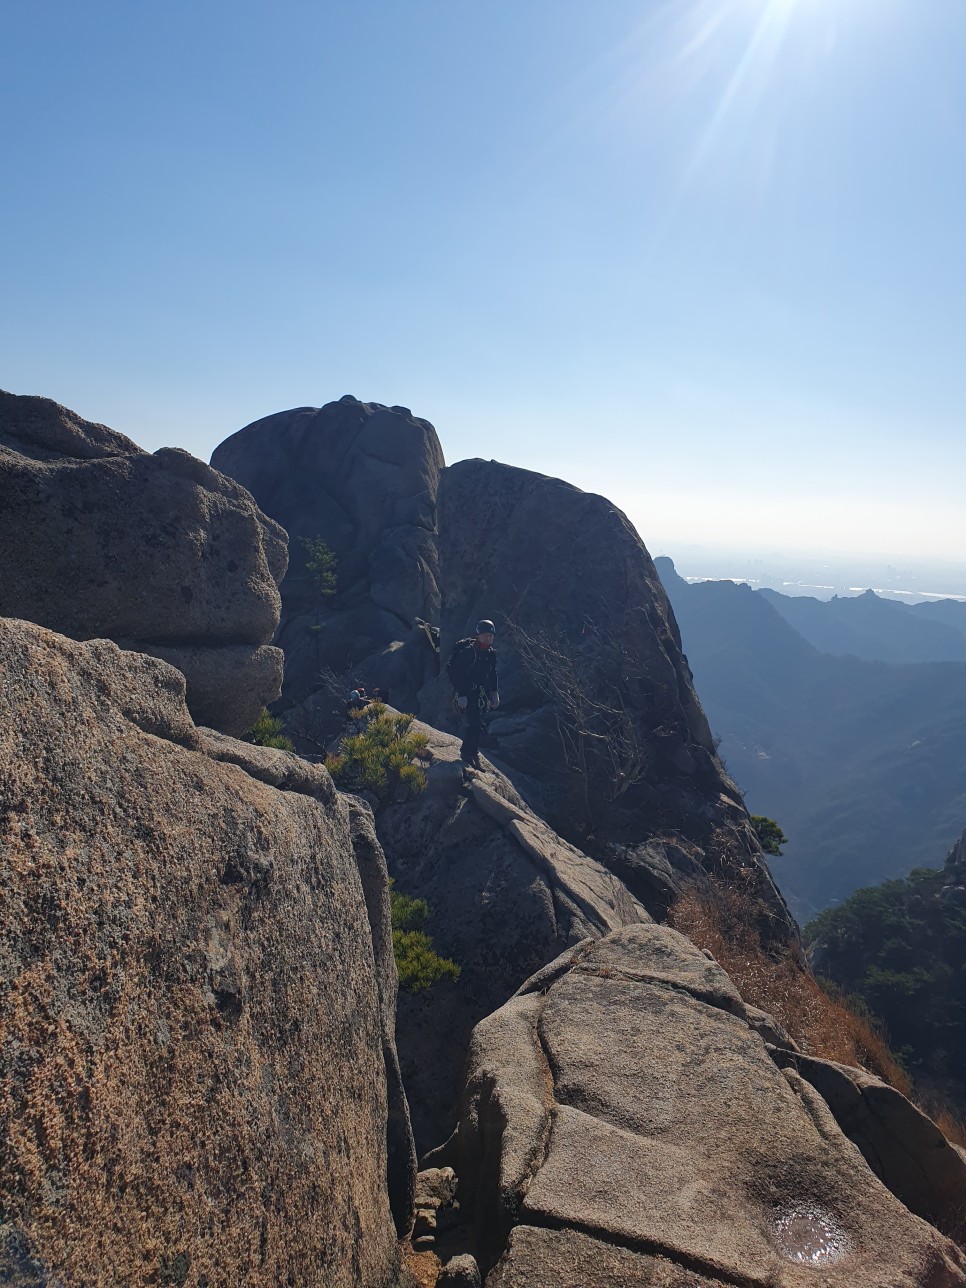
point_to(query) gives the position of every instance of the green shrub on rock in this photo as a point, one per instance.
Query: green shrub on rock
(418, 966)
(901, 947)
(381, 758)
(320, 565)
(267, 732)
(770, 835)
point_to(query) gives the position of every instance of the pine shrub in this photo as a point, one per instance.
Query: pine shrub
(267, 732)
(320, 565)
(418, 965)
(381, 758)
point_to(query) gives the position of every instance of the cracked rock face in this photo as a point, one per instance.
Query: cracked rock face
(506, 896)
(160, 553)
(193, 1021)
(362, 477)
(623, 1122)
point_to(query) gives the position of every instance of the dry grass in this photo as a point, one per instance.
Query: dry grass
(725, 923)
(422, 1267)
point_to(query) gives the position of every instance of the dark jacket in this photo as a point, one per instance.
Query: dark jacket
(470, 668)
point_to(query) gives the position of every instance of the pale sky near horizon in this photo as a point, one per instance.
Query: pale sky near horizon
(703, 256)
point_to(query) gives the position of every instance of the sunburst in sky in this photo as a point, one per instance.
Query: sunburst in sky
(744, 45)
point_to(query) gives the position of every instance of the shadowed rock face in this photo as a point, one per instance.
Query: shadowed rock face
(563, 572)
(506, 896)
(192, 1026)
(621, 1113)
(158, 552)
(363, 477)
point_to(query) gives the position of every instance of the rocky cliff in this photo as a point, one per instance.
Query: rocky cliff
(199, 1083)
(158, 552)
(600, 728)
(599, 724)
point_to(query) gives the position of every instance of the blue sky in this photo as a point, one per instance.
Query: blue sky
(704, 256)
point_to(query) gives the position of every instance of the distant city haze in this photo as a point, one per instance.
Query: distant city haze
(820, 575)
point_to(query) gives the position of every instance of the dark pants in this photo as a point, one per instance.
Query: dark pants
(474, 722)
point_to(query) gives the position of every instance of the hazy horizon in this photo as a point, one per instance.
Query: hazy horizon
(819, 574)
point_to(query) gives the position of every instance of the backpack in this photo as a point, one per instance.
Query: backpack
(452, 666)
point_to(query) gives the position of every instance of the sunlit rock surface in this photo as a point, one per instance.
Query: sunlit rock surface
(192, 1073)
(506, 895)
(622, 1098)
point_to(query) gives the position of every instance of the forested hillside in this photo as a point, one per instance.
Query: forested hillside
(901, 947)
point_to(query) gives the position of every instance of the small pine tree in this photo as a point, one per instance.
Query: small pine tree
(380, 759)
(770, 835)
(320, 565)
(267, 732)
(416, 963)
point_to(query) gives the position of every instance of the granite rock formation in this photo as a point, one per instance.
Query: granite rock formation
(656, 805)
(363, 478)
(194, 1014)
(160, 553)
(599, 725)
(371, 862)
(506, 895)
(623, 1122)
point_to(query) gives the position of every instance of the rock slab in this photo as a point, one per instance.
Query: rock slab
(506, 896)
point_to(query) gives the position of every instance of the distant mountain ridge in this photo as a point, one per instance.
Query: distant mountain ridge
(876, 629)
(860, 761)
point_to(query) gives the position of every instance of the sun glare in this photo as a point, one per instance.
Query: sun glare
(739, 47)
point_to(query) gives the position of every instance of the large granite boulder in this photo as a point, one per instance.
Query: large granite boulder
(599, 725)
(363, 478)
(158, 552)
(193, 1020)
(623, 1122)
(506, 895)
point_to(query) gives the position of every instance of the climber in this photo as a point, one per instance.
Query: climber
(355, 709)
(472, 672)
